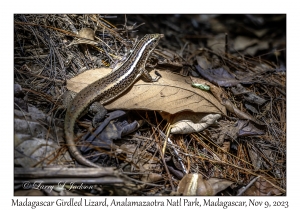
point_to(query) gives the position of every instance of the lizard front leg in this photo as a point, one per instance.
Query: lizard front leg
(148, 78)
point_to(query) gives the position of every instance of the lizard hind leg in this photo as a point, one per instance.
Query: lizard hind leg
(99, 111)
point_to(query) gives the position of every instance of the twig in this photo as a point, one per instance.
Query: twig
(164, 162)
(248, 185)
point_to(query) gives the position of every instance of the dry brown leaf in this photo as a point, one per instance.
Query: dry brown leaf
(82, 80)
(255, 158)
(194, 184)
(262, 45)
(217, 43)
(242, 42)
(189, 122)
(32, 140)
(88, 36)
(31, 151)
(203, 62)
(240, 114)
(172, 93)
(262, 188)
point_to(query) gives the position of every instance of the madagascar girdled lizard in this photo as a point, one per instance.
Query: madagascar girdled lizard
(108, 88)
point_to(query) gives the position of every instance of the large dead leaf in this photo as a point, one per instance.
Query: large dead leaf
(232, 130)
(221, 77)
(194, 184)
(242, 42)
(262, 188)
(240, 114)
(189, 122)
(172, 93)
(32, 140)
(88, 37)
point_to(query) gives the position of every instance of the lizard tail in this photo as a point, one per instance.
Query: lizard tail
(69, 134)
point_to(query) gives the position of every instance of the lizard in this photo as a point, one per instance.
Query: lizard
(108, 88)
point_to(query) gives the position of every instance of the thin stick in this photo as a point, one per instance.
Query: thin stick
(249, 185)
(164, 162)
(226, 45)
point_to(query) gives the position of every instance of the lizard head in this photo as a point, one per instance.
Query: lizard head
(153, 39)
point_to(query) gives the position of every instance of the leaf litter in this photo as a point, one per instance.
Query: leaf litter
(242, 151)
